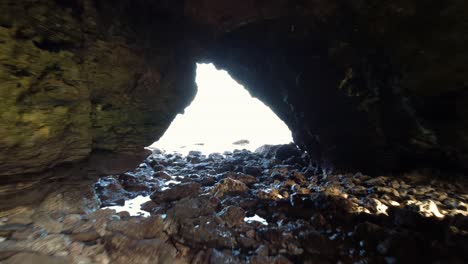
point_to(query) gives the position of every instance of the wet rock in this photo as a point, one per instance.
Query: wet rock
(247, 242)
(217, 157)
(194, 221)
(189, 208)
(269, 194)
(232, 215)
(177, 192)
(195, 153)
(267, 260)
(262, 250)
(163, 175)
(315, 218)
(378, 207)
(134, 183)
(394, 184)
(229, 186)
(252, 170)
(267, 151)
(426, 208)
(247, 179)
(202, 166)
(247, 203)
(158, 167)
(138, 228)
(111, 192)
(78, 199)
(222, 257)
(450, 203)
(359, 190)
(298, 177)
(207, 181)
(377, 181)
(316, 244)
(149, 206)
(286, 151)
(194, 157)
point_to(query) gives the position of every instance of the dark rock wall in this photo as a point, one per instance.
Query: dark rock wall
(362, 84)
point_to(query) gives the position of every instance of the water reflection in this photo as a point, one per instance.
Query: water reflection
(132, 206)
(256, 218)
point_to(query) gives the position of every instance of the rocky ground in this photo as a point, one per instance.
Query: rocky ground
(243, 207)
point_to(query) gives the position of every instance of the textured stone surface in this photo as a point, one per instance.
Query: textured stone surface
(366, 85)
(73, 81)
(362, 85)
(327, 223)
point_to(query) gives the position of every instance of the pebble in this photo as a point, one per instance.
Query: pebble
(200, 203)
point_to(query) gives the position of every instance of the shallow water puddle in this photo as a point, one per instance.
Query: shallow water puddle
(132, 206)
(256, 218)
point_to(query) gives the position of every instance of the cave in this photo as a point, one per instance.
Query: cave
(223, 116)
(374, 94)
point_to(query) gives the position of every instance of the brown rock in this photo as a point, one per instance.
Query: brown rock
(50, 244)
(229, 186)
(247, 179)
(71, 221)
(33, 258)
(177, 192)
(124, 250)
(29, 233)
(232, 215)
(44, 221)
(85, 236)
(20, 215)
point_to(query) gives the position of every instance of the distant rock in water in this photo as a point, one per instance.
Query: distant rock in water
(199, 144)
(241, 142)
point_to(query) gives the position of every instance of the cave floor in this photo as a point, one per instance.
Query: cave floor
(242, 207)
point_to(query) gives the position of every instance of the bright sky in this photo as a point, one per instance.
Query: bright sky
(221, 113)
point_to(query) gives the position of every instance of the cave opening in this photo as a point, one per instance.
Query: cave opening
(222, 117)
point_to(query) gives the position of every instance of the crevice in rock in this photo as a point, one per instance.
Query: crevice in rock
(53, 46)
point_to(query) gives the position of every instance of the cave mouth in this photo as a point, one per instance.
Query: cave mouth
(222, 117)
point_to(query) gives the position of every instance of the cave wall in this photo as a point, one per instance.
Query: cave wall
(362, 84)
(83, 76)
